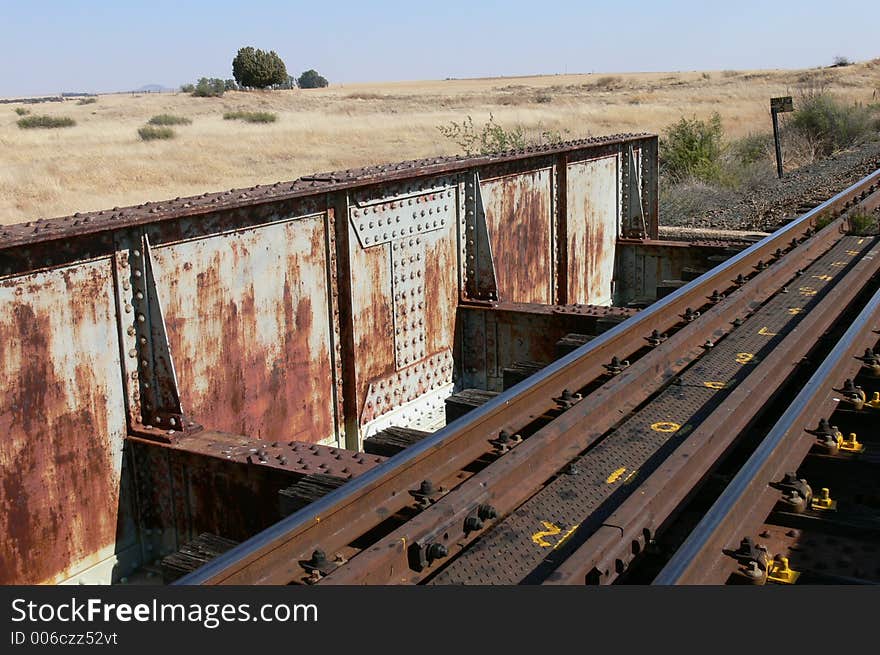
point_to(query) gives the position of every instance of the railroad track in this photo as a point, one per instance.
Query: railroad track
(611, 463)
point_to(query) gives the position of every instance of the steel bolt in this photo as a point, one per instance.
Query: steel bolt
(436, 551)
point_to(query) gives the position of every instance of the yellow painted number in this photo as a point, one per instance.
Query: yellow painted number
(549, 530)
(615, 476)
(665, 426)
(807, 291)
(744, 358)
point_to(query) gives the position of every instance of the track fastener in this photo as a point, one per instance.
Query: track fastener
(505, 441)
(426, 494)
(614, 367)
(567, 399)
(796, 493)
(656, 338)
(871, 361)
(828, 435)
(853, 394)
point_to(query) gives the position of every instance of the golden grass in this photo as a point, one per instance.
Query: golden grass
(102, 163)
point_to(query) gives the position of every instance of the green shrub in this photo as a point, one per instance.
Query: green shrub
(863, 223)
(209, 87)
(187, 88)
(543, 98)
(30, 122)
(251, 116)
(151, 133)
(830, 125)
(692, 149)
(169, 119)
(490, 138)
(86, 101)
(21, 111)
(311, 79)
(752, 148)
(258, 68)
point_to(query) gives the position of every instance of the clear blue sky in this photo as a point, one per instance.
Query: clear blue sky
(86, 45)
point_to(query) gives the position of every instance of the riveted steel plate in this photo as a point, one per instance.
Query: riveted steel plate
(391, 391)
(410, 213)
(408, 279)
(249, 322)
(62, 422)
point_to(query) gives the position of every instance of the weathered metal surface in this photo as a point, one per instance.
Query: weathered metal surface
(293, 456)
(403, 286)
(512, 479)
(268, 557)
(63, 424)
(247, 316)
(281, 313)
(406, 385)
(749, 497)
(498, 335)
(609, 550)
(518, 213)
(592, 228)
(225, 484)
(151, 391)
(642, 266)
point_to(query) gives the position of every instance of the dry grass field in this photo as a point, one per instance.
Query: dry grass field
(101, 162)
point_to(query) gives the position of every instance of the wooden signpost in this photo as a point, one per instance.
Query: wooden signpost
(778, 105)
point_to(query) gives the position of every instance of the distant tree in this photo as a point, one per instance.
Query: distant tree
(310, 79)
(231, 85)
(840, 60)
(187, 88)
(258, 69)
(208, 87)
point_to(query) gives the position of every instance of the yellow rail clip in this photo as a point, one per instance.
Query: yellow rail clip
(851, 444)
(823, 501)
(875, 400)
(780, 572)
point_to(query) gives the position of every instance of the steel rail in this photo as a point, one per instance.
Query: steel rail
(748, 499)
(624, 533)
(271, 556)
(510, 480)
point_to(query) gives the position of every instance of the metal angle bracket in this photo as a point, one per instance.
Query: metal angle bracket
(634, 212)
(153, 398)
(479, 264)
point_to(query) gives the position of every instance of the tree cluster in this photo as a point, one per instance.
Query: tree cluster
(258, 69)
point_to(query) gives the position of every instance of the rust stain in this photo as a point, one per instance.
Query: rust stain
(441, 291)
(518, 219)
(59, 494)
(592, 229)
(250, 359)
(372, 314)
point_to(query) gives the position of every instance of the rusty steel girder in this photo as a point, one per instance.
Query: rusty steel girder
(275, 313)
